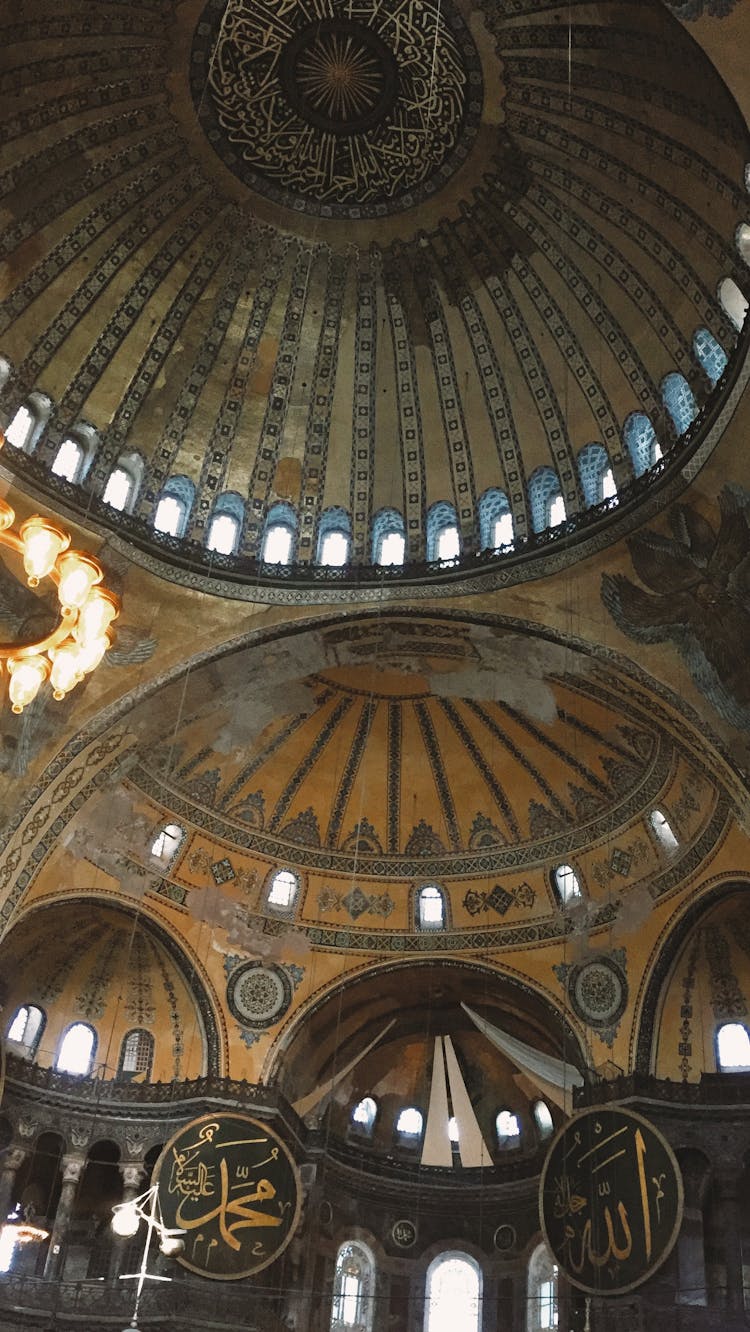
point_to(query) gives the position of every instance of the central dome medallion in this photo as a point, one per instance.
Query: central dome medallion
(349, 109)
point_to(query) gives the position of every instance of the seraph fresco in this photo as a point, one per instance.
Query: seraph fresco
(698, 598)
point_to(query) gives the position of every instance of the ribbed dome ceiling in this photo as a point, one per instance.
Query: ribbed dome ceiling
(475, 241)
(382, 762)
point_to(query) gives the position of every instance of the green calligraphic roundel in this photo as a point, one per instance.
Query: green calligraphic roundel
(610, 1200)
(231, 1185)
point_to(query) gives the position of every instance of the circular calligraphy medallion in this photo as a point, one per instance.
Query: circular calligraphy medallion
(404, 1234)
(363, 112)
(259, 994)
(505, 1238)
(232, 1185)
(599, 992)
(610, 1200)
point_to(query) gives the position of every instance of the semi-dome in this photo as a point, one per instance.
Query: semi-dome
(458, 269)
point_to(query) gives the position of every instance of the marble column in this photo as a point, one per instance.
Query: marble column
(132, 1185)
(72, 1169)
(9, 1167)
(728, 1188)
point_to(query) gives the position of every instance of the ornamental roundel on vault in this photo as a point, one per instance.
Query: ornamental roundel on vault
(353, 109)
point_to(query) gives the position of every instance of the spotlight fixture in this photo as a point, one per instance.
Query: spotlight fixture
(80, 639)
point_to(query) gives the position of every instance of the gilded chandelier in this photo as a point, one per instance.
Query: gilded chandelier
(80, 639)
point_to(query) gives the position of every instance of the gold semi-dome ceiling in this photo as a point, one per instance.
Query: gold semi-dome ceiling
(362, 257)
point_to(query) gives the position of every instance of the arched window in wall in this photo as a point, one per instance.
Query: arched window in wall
(507, 1128)
(733, 301)
(742, 237)
(495, 520)
(443, 538)
(595, 471)
(74, 455)
(173, 510)
(282, 890)
(279, 534)
(663, 830)
(545, 499)
(678, 399)
(123, 483)
(388, 537)
(709, 354)
(225, 527)
(542, 1294)
(26, 1028)
(641, 443)
(543, 1118)
(409, 1125)
(453, 1294)
(566, 883)
(364, 1115)
(77, 1048)
(166, 842)
(353, 1288)
(137, 1053)
(28, 423)
(334, 538)
(431, 913)
(733, 1048)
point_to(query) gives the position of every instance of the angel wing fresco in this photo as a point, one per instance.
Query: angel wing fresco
(698, 598)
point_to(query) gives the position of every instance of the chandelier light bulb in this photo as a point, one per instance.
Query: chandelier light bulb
(171, 1245)
(91, 653)
(96, 615)
(66, 669)
(125, 1220)
(78, 575)
(27, 675)
(42, 543)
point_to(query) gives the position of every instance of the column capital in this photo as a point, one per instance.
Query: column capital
(132, 1174)
(14, 1158)
(72, 1168)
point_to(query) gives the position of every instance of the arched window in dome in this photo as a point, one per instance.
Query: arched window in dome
(225, 527)
(279, 535)
(26, 1028)
(173, 509)
(733, 1048)
(28, 423)
(166, 842)
(283, 887)
(353, 1288)
(733, 301)
(567, 884)
(443, 538)
(641, 443)
(71, 462)
(334, 538)
(388, 537)
(453, 1294)
(595, 471)
(409, 1125)
(543, 1118)
(137, 1052)
(663, 830)
(542, 1292)
(507, 1128)
(4, 371)
(678, 399)
(364, 1115)
(742, 238)
(76, 1053)
(431, 912)
(123, 483)
(709, 354)
(495, 520)
(546, 500)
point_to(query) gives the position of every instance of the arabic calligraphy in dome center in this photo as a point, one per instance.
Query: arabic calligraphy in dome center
(365, 108)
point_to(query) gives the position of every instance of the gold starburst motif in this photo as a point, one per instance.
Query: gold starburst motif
(339, 77)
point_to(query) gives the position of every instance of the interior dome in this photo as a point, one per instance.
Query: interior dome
(515, 315)
(100, 966)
